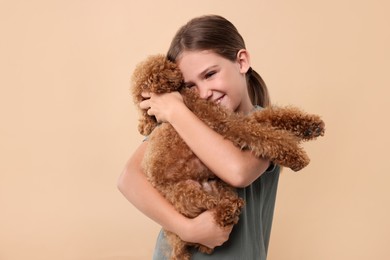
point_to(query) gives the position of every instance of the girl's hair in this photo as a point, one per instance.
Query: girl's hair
(215, 33)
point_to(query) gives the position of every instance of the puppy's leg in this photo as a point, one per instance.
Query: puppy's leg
(229, 205)
(265, 141)
(303, 125)
(179, 248)
(190, 198)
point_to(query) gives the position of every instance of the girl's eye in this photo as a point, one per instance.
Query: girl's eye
(209, 74)
(189, 85)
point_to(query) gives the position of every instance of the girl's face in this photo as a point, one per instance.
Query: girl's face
(218, 79)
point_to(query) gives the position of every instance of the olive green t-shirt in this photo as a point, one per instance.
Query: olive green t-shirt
(250, 237)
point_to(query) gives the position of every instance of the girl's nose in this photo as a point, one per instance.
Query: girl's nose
(205, 93)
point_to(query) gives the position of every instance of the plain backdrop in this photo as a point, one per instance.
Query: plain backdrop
(68, 124)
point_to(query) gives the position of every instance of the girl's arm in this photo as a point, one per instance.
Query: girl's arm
(237, 167)
(138, 190)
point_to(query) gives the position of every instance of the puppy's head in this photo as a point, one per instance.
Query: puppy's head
(156, 75)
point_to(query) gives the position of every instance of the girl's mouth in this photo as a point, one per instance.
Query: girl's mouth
(218, 100)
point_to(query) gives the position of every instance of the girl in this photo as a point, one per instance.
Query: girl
(212, 56)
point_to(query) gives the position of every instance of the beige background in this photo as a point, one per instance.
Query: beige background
(68, 124)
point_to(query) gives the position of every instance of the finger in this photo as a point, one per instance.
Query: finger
(144, 104)
(150, 112)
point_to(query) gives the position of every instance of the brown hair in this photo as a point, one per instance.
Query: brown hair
(215, 33)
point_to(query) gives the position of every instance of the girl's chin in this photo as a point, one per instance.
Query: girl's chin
(223, 102)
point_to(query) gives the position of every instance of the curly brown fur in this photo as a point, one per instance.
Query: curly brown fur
(274, 133)
(155, 75)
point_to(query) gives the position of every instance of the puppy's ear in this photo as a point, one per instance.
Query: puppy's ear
(168, 76)
(156, 74)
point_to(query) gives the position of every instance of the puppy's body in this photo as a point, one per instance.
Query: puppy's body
(273, 133)
(187, 183)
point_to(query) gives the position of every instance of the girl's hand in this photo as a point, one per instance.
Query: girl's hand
(162, 106)
(205, 231)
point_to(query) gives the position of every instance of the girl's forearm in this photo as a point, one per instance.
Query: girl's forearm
(235, 166)
(138, 190)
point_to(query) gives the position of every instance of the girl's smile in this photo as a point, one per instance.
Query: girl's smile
(219, 100)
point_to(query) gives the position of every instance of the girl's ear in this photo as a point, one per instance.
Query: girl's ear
(243, 60)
